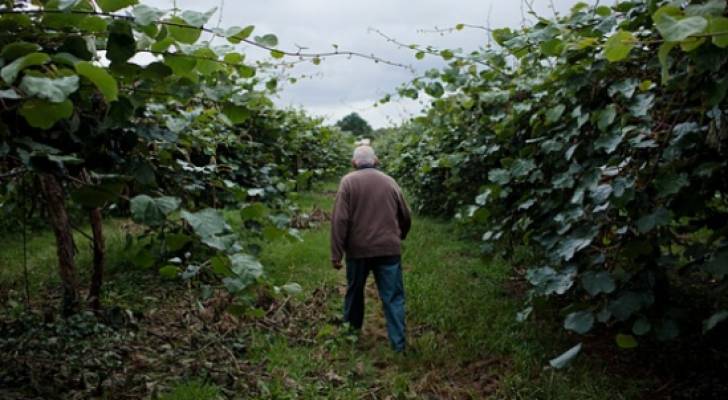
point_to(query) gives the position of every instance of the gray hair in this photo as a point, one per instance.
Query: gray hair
(364, 156)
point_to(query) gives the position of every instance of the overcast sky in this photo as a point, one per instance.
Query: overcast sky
(340, 85)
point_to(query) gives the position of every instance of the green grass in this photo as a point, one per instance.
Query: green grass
(461, 322)
(193, 390)
(42, 260)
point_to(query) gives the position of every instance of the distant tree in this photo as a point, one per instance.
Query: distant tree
(355, 124)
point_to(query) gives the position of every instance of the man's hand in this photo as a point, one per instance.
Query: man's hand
(336, 264)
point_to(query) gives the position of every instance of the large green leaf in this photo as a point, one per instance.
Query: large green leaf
(235, 113)
(18, 49)
(709, 8)
(153, 211)
(183, 32)
(55, 90)
(120, 45)
(676, 29)
(99, 77)
(146, 15)
(11, 71)
(197, 19)
(43, 114)
(597, 282)
(580, 322)
(619, 45)
(718, 27)
(626, 341)
(237, 34)
(206, 223)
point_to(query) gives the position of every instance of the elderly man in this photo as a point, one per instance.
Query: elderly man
(369, 221)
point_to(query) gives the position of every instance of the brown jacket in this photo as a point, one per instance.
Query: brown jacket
(370, 216)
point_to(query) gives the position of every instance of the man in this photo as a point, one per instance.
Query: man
(369, 221)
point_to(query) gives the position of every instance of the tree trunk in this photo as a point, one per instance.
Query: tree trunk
(55, 202)
(97, 277)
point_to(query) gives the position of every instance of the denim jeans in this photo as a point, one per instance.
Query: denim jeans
(388, 275)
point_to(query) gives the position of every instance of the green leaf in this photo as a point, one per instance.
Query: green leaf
(115, 5)
(447, 55)
(152, 211)
(580, 322)
(718, 28)
(718, 264)
(609, 141)
(641, 326)
(145, 15)
(597, 282)
(420, 55)
(181, 65)
(714, 320)
(435, 89)
(182, 32)
(235, 113)
(500, 176)
(44, 114)
(554, 114)
(660, 217)
(619, 45)
(662, 55)
(268, 40)
(277, 54)
(709, 8)
(237, 34)
(553, 47)
(522, 167)
(670, 184)
(246, 266)
(120, 45)
(233, 58)
(606, 117)
(99, 77)
(627, 304)
(675, 29)
(206, 223)
(196, 18)
(169, 272)
(626, 341)
(565, 359)
(19, 49)
(55, 90)
(176, 241)
(94, 24)
(11, 71)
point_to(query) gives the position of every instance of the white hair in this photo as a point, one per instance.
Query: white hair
(364, 156)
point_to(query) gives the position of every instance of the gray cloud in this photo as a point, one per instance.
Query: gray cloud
(341, 85)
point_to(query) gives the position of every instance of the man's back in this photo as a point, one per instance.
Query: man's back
(370, 216)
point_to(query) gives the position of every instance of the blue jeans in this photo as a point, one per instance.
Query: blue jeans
(388, 275)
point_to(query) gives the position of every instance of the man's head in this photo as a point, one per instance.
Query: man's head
(364, 157)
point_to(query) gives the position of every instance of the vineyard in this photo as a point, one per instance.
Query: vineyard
(165, 223)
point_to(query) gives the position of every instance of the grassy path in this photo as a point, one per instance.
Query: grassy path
(460, 323)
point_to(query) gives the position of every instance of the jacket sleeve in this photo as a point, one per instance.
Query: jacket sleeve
(339, 223)
(403, 214)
